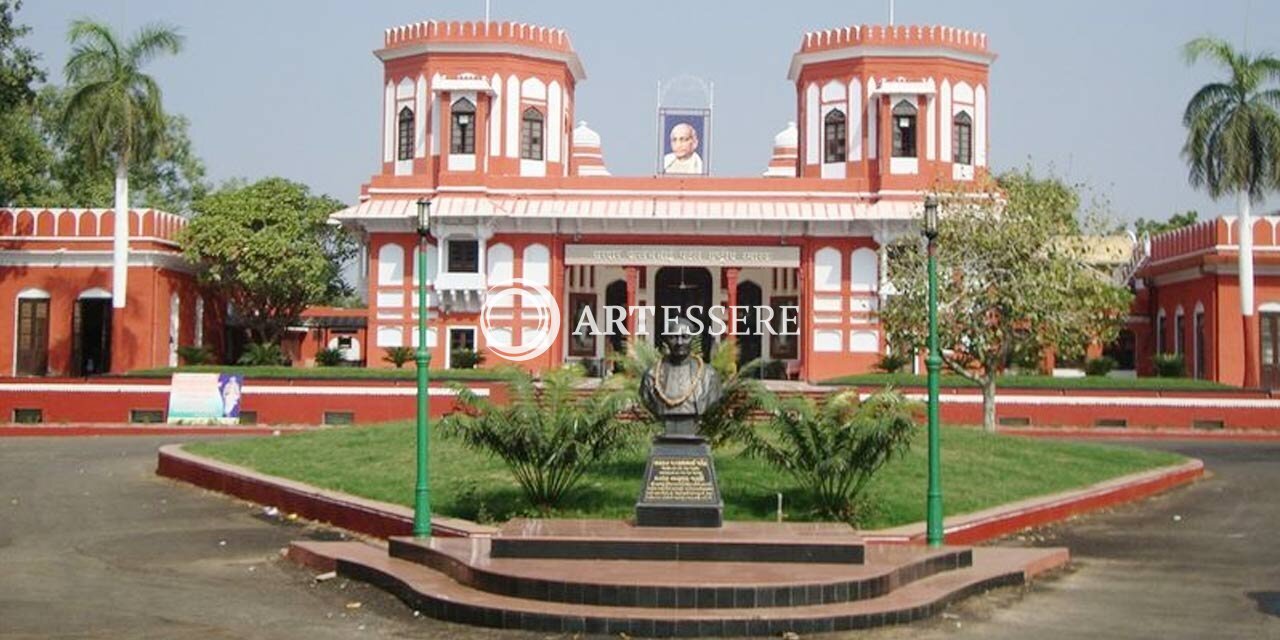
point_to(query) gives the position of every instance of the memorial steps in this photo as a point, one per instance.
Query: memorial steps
(575, 583)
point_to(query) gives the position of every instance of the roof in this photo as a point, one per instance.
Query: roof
(635, 207)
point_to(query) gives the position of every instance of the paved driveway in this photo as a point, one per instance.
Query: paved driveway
(93, 544)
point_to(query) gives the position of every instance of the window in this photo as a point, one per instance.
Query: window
(834, 130)
(462, 349)
(582, 345)
(1179, 333)
(463, 137)
(784, 343)
(405, 144)
(963, 139)
(531, 135)
(904, 130)
(1160, 332)
(464, 256)
(1199, 361)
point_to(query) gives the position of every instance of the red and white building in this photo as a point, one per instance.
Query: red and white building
(1188, 301)
(479, 118)
(56, 311)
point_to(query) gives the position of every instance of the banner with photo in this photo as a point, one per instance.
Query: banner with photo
(205, 398)
(685, 148)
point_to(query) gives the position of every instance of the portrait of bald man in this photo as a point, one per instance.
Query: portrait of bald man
(684, 158)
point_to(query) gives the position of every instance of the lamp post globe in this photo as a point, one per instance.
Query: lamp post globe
(422, 491)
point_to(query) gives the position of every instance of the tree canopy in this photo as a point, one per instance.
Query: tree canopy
(19, 72)
(269, 250)
(1011, 283)
(1143, 227)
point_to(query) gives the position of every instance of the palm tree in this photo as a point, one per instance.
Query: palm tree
(1233, 146)
(115, 111)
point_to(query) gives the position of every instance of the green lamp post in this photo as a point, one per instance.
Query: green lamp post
(933, 362)
(422, 491)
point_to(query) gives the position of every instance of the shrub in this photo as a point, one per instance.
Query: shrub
(465, 359)
(548, 437)
(893, 362)
(1099, 366)
(195, 355)
(398, 356)
(834, 449)
(329, 358)
(262, 355)
(1169, 365)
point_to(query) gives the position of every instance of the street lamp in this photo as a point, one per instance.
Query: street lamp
(421, 491)
(933, 362)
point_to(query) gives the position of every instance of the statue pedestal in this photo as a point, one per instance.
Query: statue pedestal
(680, 488)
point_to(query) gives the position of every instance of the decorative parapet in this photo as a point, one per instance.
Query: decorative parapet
(478, 32)
(894, 36)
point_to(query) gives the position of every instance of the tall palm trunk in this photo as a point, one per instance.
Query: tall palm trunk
(1245, 234)
(120, 242)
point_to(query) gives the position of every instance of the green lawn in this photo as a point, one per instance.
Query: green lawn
(979, 471)
(1036, 382)
(325, 373)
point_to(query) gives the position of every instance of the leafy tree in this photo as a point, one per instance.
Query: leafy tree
(18, 70)
(549, 436)
(171, 179)
(269, 250)
(833, 450)
(1009, 283)
(1233, 147)
(1143, 227)
(1048, 199)
(24, 160)
(114, 108)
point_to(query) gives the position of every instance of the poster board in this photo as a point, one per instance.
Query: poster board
(205, 398)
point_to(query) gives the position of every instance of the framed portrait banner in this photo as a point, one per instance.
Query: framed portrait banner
(684, 144)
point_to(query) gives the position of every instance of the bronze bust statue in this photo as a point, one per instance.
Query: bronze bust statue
(680, 387)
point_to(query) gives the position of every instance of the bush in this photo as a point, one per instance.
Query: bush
(262, 355)
(329, 358)
(1099, 366)
(465, 359)
(893, 362)
(833, 450)
(398, 356)
(547, 437)
(193, 355)
(1170, 365)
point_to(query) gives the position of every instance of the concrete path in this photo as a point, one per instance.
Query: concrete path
(94, 545)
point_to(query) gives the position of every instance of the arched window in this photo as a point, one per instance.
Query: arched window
(405, 139)
(531, 134)
(904, 130)
(833, 128)
(962, 138)
(463, 136)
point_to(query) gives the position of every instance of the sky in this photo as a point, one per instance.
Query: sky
(1090, 91)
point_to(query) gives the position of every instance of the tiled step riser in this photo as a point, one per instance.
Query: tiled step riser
(678, 597)
(442, 609)
(551, 549)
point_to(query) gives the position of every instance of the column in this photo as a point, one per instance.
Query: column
(731, 282)
(633, 285)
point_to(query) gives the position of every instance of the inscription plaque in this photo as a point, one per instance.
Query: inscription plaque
(679, 480)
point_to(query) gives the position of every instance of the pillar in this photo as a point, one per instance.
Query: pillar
(633, 285)
(731, 282)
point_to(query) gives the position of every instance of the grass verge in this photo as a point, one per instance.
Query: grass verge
(1037, 382)
(978, 471)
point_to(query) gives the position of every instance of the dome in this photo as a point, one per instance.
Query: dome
(785, 153)
(587, 158)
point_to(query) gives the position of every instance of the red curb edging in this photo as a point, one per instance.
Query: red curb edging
(1102, 433)
(382, 519)
(370, 517)
(66, 430)
(1003, 520)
